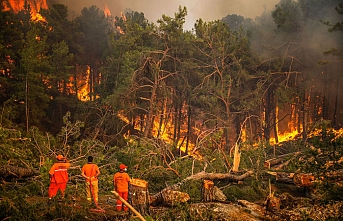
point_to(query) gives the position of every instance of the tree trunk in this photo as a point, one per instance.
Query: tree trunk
(189, 127)
(219, 176)
(169, 197)
(149, 116)
(279, 159)
(276, 123)
(298, 179)
(236, 159)
(139, 196)
(8, 171)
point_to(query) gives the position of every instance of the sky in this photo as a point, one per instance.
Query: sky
(208, 10)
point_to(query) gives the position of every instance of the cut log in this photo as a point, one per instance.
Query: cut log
(219, 195)
(207, 191)
(139, 195)
(282, 165)
(279, 159)
(299, 179)
(8, 171)
(169, 197)
(271, 162)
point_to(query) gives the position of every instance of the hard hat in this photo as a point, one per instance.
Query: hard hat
(122, 166)
(60, 157)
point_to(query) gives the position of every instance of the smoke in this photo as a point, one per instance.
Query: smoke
(208, 10)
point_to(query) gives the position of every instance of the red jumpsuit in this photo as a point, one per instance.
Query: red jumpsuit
(121, 182)
(59, 178)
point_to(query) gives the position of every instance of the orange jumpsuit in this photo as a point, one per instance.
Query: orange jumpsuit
(59, 178)
(121, 182)
(92, 185)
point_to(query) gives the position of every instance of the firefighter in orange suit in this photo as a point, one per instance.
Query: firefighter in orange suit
(91, 172)
(58, 176)
(121, 182)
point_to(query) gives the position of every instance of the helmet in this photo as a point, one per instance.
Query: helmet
(60, 157)
(122, 167)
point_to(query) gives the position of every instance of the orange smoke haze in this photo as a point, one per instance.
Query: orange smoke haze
(208, 10)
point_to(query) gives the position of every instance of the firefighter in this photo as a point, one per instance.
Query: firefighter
(121, 182)
(58, 176)
(91, 171)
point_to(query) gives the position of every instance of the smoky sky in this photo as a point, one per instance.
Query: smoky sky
(208, 10)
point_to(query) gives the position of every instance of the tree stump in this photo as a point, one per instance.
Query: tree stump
(139, 196)
(273, 203)
(208, 191)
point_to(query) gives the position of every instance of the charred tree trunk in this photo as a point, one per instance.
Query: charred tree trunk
(304, 117)
(267, 113)
(275, 123)
(188, 128)
(139, 196)
(176, 121)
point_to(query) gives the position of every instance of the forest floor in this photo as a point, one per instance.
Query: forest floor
(294, 206)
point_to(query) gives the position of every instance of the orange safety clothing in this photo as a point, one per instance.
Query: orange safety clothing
(121, 181)
(92, 190)
(59, 178)
(120, 205)
(90, 170)
(59, 173)
(54, 187)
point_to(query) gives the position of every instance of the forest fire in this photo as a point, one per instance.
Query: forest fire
(107, 11)
(164, 132)
(33, 5)
(284, 137)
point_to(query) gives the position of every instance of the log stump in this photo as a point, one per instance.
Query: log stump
(273, 203)
(208, 191)
(139, 196)
(305, 181)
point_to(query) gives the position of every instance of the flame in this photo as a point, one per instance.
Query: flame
(285, 137)
(18, 5)
(122, 15)
(107, 11)
(165, 133)
(83, 92)
(120, 30)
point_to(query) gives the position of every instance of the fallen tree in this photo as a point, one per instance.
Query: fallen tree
(173, 191)
(9, 171)
(218, 176)
(299, 179)
(280, 161)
